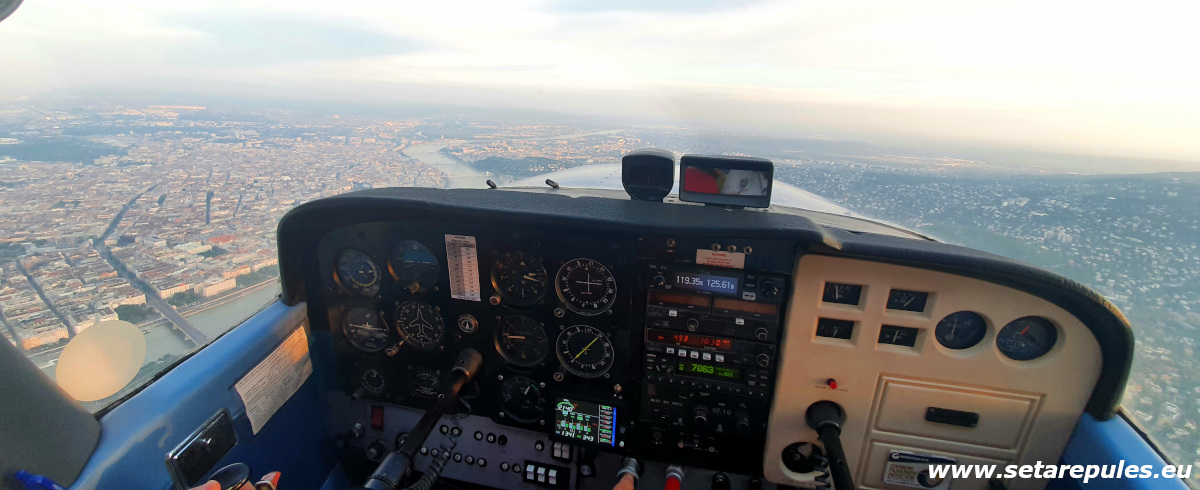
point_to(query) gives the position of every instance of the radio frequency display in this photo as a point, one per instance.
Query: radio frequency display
(706, 282)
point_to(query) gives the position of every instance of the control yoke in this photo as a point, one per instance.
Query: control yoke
(396, 466)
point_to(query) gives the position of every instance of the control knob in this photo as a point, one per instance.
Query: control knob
(763, 360)
(658, 281)
(693, 324)
(742, 420)
(376, 450)
(700, 416)
(761, 334)
(769, 289)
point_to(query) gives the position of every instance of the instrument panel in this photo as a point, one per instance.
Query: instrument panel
(634, 334)
(613, 343)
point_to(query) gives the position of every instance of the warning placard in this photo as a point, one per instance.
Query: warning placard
(912, 470)
(274, 380)
(731, 260)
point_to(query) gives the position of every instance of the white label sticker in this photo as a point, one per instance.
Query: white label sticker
(912, 470)
(731, 260)
(463, 260)
(274, 380)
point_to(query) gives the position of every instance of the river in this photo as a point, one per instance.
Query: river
(460, 173)
(163, 340)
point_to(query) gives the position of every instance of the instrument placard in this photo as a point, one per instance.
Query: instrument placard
(462, 258)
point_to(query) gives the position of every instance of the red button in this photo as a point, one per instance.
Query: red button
(832, 383)
(376, 417)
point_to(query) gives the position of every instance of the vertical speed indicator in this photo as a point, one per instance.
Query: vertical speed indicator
(586, 287)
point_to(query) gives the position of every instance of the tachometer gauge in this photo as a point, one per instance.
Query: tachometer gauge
(519, 278)
(960, 330)
(584, 351)
(413, 266)
(522, 399)
(521, 341)
(586, 287)
(363, 330)
(1027, 338)
(419, 324)
(372, 381)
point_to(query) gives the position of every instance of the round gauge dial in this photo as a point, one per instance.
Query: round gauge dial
(412, 265)
(521, 341)
(586, 286)
(363, 330)
(425, 382)
(584, 351)
(519, 278)
(372, 381)
(960, 330)
(357, 273)
(1027, 338)
(419, 324)
(522, 399)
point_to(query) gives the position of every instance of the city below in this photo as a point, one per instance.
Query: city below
(165, 216)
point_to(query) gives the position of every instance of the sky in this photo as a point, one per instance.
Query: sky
(1078, 77)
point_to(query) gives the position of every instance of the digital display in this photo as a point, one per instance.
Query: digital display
(726, 305)
(708, 371)
(706, 282)
(585, 421)
(690, 340)
(726, 181)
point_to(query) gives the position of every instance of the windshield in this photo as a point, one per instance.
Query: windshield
(148, 148)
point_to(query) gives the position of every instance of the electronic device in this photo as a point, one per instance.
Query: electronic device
(649, 174)
(726, 181)
(709, 356)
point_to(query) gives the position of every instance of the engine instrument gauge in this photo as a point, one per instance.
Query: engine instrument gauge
(519, 278)
(364, 330)
(419, 324)
(521, 341)
(1026, 338)
(522, 399)
(357, 273)
(584, 351)
(372, 381)
(586, 287)
(425, 382)
(412, 265)
(960, 330)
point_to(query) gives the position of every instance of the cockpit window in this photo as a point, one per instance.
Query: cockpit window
(148, 149)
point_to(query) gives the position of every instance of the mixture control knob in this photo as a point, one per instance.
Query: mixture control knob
(659, 281)
(763, 360)
(769, 289)
(700, 416)
(376, 450)
(693, 324)
(761, 333)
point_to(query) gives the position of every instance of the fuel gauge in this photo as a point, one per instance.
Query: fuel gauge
(895, 335)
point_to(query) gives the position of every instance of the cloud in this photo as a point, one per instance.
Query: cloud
(1064, 74)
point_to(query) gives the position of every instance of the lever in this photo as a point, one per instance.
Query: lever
(627, 476)
(826, 418)
(398, 463)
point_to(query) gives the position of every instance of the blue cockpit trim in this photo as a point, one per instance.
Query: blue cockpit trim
(137, 435)
(1109, 443)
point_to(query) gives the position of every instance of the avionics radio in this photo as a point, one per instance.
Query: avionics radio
(714, 329)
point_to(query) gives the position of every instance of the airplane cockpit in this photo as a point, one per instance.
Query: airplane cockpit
(684, 332)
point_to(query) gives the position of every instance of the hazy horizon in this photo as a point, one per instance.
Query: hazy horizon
(1060, 77)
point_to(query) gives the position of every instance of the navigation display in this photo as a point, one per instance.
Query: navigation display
(712, 283)
(585, 421)
(708, 371)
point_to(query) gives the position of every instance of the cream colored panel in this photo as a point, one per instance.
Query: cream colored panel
(1002, 417)
(1038, 402)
